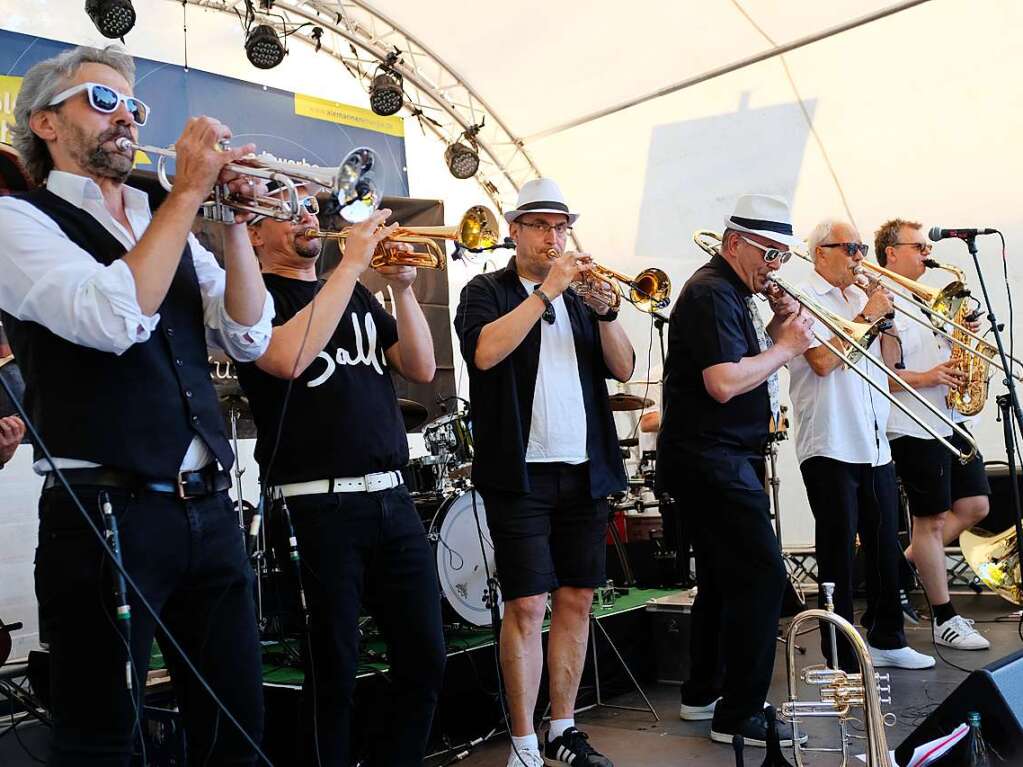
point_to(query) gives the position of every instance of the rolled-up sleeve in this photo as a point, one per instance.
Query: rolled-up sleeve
(243, 343)
(477, 306)
(49, 280)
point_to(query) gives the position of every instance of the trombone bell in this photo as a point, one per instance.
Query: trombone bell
(995, 560)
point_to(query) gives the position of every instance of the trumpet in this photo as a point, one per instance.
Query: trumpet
(856, 351)
(351, 183)
(649, 290)
(476, 230)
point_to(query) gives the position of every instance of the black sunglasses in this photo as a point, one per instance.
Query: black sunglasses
(851, 248)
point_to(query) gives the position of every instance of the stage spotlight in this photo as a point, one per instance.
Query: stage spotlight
(462, 157)
(113, 18)
(263, 47)
(385, 94)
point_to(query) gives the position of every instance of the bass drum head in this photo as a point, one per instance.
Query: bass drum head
(460, 564)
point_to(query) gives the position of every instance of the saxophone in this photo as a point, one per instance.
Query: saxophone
(968, 397)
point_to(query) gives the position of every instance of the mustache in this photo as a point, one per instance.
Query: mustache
(113, 133)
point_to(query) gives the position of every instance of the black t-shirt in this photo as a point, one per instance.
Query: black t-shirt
(342, 418)
(710, 324)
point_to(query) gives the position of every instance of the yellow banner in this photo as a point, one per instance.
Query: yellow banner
(345, 114)
(9, 87)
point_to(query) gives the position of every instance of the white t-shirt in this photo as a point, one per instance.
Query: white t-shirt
(557, 432)
(922, 350)
(839, 415)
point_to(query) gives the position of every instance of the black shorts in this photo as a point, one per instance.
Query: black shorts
(933, 478)
(551, 537)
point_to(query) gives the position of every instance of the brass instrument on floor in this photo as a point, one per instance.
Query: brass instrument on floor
(649, 290)
(351, 183)
(854, 351)
(840, 692)
(477, 229)
(995, 560)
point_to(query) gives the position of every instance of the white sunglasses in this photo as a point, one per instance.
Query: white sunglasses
(105, 99)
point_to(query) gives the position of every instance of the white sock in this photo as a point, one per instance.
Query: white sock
(525, 742)
(558, 727)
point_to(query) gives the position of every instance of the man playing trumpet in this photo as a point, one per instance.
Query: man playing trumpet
(546, 458)
(945, 496)
(109, 308)
(331, 444)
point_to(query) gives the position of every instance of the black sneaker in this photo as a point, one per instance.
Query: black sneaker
(572, 747)
(908, 610)
(754, 732)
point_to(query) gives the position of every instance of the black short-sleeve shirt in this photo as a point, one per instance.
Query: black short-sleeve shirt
(342, 417)
(710, 325)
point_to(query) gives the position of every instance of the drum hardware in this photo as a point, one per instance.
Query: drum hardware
(622, 402)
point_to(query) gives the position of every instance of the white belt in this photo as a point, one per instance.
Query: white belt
(371, 483)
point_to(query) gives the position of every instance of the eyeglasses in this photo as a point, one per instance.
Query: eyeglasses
(308, 204)
(770, 254)
(105, 99)
(851, 248)
(922, 247)
(542, 227)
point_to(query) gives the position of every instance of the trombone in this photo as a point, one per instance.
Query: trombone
(649, 290)
(941, 305)
(476, 230)
(351, 183)
(837, 326)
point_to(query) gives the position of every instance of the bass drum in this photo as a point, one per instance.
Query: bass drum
(453, 532)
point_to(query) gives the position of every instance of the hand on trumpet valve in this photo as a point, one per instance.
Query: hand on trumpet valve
(363, 239)
(200, 160)
(400, 276)
(565, 269)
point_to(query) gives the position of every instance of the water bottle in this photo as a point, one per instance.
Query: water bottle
(978, 756)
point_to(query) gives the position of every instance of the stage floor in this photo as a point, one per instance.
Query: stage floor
(633, 739)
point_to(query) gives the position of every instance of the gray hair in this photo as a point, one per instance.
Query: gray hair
(820, 234)
(44, 81)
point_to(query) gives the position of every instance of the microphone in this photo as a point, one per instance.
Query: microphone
(937, 233)
(123, 609)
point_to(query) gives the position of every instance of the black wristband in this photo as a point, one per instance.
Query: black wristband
(610, 316)
(548, 312)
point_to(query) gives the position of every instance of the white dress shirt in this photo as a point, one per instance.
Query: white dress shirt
(49, 280)
(557, 432)
(839, 416)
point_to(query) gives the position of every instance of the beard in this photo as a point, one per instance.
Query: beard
(89, 153)
(307, 248)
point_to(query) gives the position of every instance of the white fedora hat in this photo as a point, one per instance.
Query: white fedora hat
(541, 195)
(763, 214)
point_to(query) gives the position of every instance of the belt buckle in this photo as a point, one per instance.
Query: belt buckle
(192, 485)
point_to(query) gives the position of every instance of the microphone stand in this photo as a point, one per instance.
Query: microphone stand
(1008, 403)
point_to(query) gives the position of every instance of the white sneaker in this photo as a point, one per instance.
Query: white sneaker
(959, 634)
(526, 757)
(697, 713)
(904, 657)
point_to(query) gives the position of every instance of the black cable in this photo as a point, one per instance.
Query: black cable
(101, 539)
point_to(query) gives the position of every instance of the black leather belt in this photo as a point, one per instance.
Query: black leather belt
(187, 485)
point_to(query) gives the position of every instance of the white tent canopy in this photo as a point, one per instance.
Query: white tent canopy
(916, 114)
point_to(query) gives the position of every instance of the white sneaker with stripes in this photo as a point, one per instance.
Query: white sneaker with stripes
(525, 757)
(959, 634)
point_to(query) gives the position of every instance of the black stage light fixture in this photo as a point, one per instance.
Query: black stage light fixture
(462, 156)
(263, 47)
(113, 18)
(385, 94)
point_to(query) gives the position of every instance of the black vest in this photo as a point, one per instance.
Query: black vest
(136, 411)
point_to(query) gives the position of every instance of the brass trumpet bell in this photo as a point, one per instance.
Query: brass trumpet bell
(995, 560)
(650, 289)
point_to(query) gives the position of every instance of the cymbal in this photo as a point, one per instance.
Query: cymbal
(620, 402)
(413, 413)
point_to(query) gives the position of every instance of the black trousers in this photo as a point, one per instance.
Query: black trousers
(189, 560)
(849, 499)
(373, 546)
(740, 580)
